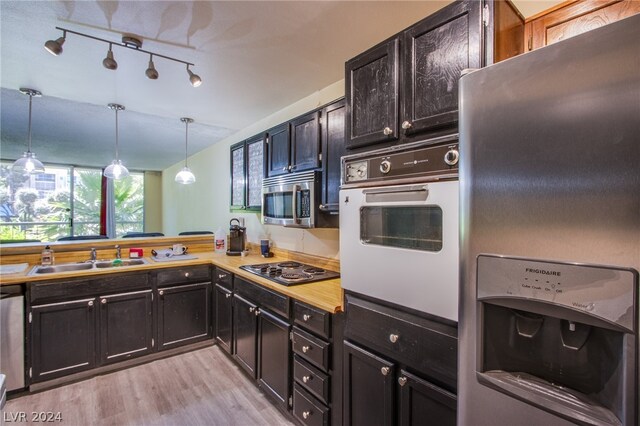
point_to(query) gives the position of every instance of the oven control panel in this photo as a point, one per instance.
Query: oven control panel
(401, 163)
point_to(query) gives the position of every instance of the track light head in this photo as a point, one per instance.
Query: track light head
(194, 78)
(151, 72)
(55, 46)
(108, 62)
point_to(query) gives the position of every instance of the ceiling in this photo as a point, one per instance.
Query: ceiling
(254, 57)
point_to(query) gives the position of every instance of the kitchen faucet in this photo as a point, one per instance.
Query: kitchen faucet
(94, 254)
(118, 254)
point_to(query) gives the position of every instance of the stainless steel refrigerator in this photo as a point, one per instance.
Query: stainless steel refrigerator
(550, 234)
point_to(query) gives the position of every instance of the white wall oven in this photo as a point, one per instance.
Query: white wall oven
(399, 225)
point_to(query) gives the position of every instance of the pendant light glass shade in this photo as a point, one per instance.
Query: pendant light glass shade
(186, 176)
(28, 164)
(116, 170)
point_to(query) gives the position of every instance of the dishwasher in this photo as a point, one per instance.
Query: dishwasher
(12, 336)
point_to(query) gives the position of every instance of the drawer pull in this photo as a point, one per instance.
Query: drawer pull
(187, 274)
(402, 381)
(306, 414)
(103, 301)
(306, 379)
(306, 317)
(384, 371)
(306, 349)
(393, 338)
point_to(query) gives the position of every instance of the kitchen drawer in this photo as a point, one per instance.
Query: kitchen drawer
(312, 319)
(78, 288)
(187, 274)
(223, 278)
(311, 379)
(307, 409)
(263, 297)
(427, 346)
(314, 350)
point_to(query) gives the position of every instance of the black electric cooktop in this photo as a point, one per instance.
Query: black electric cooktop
(290, 273)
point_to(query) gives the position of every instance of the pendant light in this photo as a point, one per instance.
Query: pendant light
(186, 176)
(28, 164)
(116, 170)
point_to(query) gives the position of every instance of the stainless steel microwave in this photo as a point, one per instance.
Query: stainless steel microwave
(291, 200)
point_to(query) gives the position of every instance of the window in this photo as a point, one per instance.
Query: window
(66, 201)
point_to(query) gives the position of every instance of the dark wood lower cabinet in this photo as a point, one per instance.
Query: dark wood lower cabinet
(275, 357)
(368, 388)
(184, 314)
(245, 332)
(423, 403)
(223, 328)
(63, 337)
(126, 326)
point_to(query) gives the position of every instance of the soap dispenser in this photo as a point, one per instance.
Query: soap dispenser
(47, 258)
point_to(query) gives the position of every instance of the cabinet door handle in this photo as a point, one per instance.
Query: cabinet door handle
(306, 379)
(161, 292)
(187, 274)
(306, 349)
(103, 301)
(384, 371)
(228, 295)
(393, 338)
(387, 131)
(90, 304)
(306, 414)
(221, 276)
(402, 381)
(406, 125)
(306, 317)
(285, 168)
(257, 312)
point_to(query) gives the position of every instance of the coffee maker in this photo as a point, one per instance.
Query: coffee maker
(237, 237)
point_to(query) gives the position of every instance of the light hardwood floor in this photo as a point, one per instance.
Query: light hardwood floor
(203, 387)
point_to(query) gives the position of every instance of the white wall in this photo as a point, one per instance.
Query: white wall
(205, 204)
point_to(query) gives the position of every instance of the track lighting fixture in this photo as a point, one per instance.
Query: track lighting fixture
(116, 170)
(128, 42)
(186, 176)
(151, 72)
(55, 46)
(194, 78)
(108, 62)
(28, 164)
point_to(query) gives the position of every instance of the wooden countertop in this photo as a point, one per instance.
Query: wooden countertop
(326, 295)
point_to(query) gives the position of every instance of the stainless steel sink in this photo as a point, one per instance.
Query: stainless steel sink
(85, 266)
(123, 262)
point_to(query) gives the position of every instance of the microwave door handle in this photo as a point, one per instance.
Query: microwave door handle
(294, 203)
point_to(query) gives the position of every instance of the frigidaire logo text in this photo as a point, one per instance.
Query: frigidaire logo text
(543, 272)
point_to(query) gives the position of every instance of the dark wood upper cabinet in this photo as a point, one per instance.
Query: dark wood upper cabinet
(406, 88)
(372, 90)
(573, 18)
(247, 171)
(305, 143)
(333, 147)
(435, 51)
(279, 150)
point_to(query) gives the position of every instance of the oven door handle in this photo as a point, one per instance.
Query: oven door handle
(412, 188)
(294, 203)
